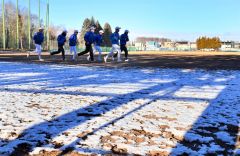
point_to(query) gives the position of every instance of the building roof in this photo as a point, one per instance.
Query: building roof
(182, 42)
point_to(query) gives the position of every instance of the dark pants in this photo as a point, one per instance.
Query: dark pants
(123, 48)
(60, 49)
(88, 50)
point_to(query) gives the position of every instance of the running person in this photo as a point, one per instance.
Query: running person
(61, 41)
(38, 40)
(97, 45)
(123, 42)
(73, 44)
(89, 40)
(115, 45)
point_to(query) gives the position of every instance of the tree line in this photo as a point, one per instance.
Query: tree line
(92, 22)
(23, 43)
(10, 26)
(208, 43)
(11, 17)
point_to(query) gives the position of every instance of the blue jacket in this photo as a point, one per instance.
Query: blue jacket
(98, 40)
(89, 37)
(73, 40)
(61, 40)
(124, 39)
(115, 38)
(38, 38)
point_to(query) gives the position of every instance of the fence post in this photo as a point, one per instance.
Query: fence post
(3, 25)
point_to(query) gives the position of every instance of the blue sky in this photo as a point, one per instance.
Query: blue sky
(176, 19)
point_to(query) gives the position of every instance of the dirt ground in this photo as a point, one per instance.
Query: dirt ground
(185, 60)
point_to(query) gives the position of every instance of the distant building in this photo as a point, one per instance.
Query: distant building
(140, 46)
(166, 46)
(227, 45)
(237, 45)
(182, 45)
(169, 45)
(230, 46)
(193, 46)
(153, 46)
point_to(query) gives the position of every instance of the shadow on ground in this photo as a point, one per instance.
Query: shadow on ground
(208, 123)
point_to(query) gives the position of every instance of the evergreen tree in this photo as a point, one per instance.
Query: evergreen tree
(93, 22)
(85, 28)
(107, 34)
(98, 27)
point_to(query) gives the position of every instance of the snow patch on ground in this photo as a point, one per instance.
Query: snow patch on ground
(134, 111)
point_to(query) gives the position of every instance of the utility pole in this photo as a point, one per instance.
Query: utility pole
(29, 25)
(17, 25)
(3, 25)
(39, 13)
(48, 36)
(47, 26)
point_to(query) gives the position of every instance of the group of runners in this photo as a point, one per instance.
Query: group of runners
(93, 42)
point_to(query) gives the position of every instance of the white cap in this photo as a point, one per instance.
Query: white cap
(65, 31)
(92, 28)
(75, 31)
(40, 28)
(117, 28)
(101, 32)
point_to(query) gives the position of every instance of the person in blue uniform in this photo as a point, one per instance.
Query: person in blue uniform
(89, 40)
(38, 39)
(123, 44)
(61, 42)
(115, 38)
(97, 45)
(73, 44)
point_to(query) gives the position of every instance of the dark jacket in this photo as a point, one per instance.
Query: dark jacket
(98, 40)
(124, 39)
(38, 38)
(89, 37)
(61, 39)
(115, 38)
(73, 40)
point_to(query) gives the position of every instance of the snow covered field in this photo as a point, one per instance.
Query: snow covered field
(122, 111)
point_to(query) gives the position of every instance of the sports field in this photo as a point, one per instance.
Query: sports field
(158, 103)
(186, 60)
